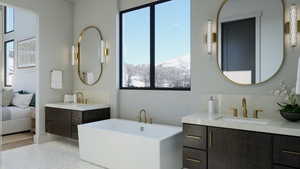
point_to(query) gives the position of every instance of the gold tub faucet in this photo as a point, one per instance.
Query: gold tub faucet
(145, 116)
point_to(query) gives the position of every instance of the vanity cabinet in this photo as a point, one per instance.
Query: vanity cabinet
(64, 122)
(219, 148)
(287, 151)
(235, 149)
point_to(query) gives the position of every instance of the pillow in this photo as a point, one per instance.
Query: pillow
(22, 100)
(7, 97)
(32, 103)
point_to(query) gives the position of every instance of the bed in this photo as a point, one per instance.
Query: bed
(16, 119)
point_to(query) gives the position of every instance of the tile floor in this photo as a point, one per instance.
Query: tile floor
(51, 155)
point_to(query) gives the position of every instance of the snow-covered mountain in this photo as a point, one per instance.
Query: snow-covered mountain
(179, 62)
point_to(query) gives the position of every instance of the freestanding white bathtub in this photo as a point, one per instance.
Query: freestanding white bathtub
(123, 144)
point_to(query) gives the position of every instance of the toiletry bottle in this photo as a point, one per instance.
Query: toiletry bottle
(212, 108)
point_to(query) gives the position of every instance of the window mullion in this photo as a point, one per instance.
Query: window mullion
(152, 46)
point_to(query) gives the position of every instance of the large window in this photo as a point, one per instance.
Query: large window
(155, 46)
(8, 20)
(9, 63)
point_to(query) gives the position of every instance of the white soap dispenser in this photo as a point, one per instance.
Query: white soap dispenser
(213, 112)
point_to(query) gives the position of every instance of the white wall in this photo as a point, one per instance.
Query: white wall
(103, 14)
(1, 46)
(25, 27)
(55, 37)
(169, 106)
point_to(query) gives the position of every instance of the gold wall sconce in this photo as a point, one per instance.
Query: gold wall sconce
(211, 37)
(105, 51)
(293, 26)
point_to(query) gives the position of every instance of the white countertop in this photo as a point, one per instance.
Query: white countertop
(281, 127)
(78, 107)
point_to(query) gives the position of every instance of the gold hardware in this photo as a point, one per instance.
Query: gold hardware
(255, 113)
(150, 120)
(146, 120)
(214, 37)
(193, 160)
(106, 52)
(291, 152)
(235, 112)
(287, 27)
(194, 137)
(140, 116)
(210, 139)
(244, 108)
(80, 97)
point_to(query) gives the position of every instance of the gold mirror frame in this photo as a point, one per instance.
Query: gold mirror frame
(79, 57)
(217, 46)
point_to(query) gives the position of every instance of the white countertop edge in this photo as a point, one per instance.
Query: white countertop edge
(281, 127)
(85, 107)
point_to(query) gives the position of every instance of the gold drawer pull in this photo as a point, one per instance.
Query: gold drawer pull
(194, 137)
(193, 160)
(291, 152)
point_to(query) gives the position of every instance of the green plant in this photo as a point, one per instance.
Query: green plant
(290, 99)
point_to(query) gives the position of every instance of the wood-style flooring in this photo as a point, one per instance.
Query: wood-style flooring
(16, 140)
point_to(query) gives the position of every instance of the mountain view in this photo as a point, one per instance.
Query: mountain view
(173, 73)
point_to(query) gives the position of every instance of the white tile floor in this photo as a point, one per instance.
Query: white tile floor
(51, 155)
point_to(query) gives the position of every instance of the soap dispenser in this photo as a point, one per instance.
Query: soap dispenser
(213, 112)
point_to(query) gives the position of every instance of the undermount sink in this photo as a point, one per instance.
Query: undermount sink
(247, 120)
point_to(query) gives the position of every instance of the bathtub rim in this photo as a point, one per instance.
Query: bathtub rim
(179, 128)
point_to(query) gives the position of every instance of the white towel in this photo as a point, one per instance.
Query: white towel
(90, 77)
(56, 79)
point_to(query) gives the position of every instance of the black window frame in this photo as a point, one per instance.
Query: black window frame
(5, 59)
(5, 22)
(151, 6)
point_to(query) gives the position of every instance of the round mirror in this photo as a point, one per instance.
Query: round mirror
(250, 40)
(89, 55)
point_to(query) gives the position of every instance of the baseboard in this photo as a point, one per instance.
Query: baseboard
(44, 138)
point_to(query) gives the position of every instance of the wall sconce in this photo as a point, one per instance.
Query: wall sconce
(293, 26)
(74, 55)
(105, 52)
(211, 37)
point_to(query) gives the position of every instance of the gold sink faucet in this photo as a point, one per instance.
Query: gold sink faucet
(80, 97)
(244, 108)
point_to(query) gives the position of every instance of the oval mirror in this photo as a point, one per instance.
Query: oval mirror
(89, 55)
(250, 40)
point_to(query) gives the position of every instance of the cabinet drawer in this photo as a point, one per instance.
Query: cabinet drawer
(281, 167)
(194, 159)
(287, 151)
(195, 136)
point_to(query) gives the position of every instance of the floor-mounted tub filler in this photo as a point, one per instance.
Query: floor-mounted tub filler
(123, 144)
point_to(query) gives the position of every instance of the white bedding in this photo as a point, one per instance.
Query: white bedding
(14, 113)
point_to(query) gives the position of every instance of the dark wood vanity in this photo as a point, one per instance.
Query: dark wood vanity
(219, 148)
(63, 122)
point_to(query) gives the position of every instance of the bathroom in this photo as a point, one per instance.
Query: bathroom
(166, 107)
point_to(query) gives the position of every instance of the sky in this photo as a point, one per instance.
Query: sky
(10, 17)
(172, 33)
